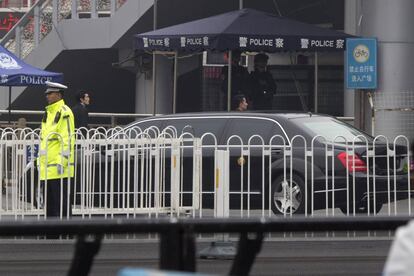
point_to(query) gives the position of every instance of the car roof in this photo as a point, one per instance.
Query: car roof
(280, 116)
(270, 114)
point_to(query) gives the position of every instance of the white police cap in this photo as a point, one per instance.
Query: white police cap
(54, 87)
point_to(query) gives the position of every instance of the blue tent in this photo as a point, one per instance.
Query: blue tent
(15, 72)
(245, 30)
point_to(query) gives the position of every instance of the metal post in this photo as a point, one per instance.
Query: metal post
(75, 10)
(18, 42)
(240, 4)
(55, 12)
(154, 71)
(113, 121)
(371, 103)
(94, 9)
(222, 201)
(175, 83)
(85, 250)
(247, 250)
(316, 84)
(177, 249)
(229, 81)
(36, 25)
(10, 93)
(113, 7)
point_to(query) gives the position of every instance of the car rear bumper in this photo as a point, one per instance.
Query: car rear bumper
(381, 189)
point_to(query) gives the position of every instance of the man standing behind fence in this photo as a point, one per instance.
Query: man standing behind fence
(80, 110)
(56, 153)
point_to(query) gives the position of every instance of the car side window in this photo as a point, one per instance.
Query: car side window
(247, 127)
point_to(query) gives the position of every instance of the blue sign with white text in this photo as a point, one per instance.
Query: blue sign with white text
(31, 152)
(361, 63)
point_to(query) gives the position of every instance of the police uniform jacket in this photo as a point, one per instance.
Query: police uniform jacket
(263, 88)
(56, 152)
(239, 80)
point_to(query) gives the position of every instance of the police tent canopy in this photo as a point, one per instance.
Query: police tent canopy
(15, 72)
(246, 30)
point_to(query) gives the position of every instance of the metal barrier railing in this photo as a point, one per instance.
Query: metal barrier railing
(178, 236)
(134, 172)
(112, 118)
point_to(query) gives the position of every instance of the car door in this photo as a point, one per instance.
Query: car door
(197, 127)
(132, 182)
(249, 168)
(115, 173)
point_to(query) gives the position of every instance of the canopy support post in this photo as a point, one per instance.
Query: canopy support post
(240, 4)
(10, 93)
(315, 108)
(230, 62)
(154, 84)
(175, 83)
(155, 14)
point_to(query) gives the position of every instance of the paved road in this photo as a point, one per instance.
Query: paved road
(320, 254)
(317, 256)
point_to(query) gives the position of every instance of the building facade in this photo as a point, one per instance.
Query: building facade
(93, 48)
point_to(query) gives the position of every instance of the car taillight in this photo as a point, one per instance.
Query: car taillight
(355, 164)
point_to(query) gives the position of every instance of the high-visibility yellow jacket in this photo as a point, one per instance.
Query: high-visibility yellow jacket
(57, 141)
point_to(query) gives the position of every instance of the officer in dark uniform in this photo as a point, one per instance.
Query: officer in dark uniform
(239, 77)
(262, 85)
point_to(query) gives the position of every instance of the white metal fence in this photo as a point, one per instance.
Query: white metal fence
(159, 173)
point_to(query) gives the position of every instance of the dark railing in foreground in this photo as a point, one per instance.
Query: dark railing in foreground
(177, 236)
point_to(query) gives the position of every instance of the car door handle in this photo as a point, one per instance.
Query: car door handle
(276, 151)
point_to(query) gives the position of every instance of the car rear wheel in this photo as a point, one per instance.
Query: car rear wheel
(288, 197)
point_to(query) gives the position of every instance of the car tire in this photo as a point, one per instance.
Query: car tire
(280, 195)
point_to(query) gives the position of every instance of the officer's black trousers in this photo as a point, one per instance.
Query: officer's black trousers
(57, 199)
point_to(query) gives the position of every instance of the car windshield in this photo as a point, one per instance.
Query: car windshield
(332, 130)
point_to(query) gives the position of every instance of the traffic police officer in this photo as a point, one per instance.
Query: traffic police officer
(56, 153)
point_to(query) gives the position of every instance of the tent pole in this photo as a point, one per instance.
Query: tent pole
(230, 62)
(316, 84)
(154, 84)
(155, 14)
(175, 83)
(154, 87)
(10, 92)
